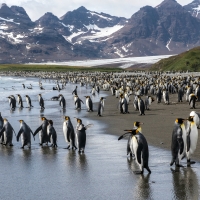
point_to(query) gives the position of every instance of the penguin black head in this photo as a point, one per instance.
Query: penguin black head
(78, 120)
(190, 118)
(50, 122)
(137, 124)
(43, 118)
(180, 120)
(20, 121)
(39, 94)
(67, 117)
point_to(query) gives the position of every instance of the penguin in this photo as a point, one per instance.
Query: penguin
(30, 87)
(135, 103)
(141, 106)
(69, 134)
(159, 95)
(7, 132)
(62, 101)
(139, 148)
(43, 137)
(12, 102)
(197, 92)
(81, 135)
(188, 92)
(28, 100)
(78, 103)
(25, 133)
(100, 107)
(55, 98)
(89, 103)
(20, 102)
(52, 134)
(97, 89)
(196, 118)
(75, 91)
(148, 102)
(192, 138)
(123, 105)
(166, 96)
(129, 143)
(180, 94)
(178, 143)
(192, 100)
(58, 87)
(1, 126)
(93, 91)
(23, 86)
(41, 101)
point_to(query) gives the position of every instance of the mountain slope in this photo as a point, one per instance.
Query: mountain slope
(194, 8)
(165, 29)
(189, 60)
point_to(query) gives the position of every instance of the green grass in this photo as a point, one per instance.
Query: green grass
(189, 60)
(55, 68)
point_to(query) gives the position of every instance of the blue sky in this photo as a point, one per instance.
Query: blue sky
(123, 8)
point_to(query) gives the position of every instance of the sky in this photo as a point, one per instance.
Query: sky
(122, 8)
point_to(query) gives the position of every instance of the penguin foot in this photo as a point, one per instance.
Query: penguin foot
(178, 165)
(68, 147)
(11, 145)
(40, 144)
(22, 148)
(172, 162)
(190, 163)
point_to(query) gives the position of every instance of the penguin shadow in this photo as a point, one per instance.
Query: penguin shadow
(63, 110)
(26, 153)
(20, 109)
(12, 110)
(185, 183)
(82, 161)
(41, 110)
(71, 158)
(7, 150)
(48, 151)
(143, 189)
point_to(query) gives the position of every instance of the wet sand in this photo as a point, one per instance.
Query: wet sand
(158, 121)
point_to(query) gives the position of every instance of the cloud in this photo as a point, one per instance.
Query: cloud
(126, 8)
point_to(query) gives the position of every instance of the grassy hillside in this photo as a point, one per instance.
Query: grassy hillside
(56, 68)
(189, 60)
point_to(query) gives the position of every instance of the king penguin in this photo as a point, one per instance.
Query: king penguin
(178, 143)
(100, 107)
(28, 100)
(141, 106)
(7, 130)
(43, 137)
(52, 134)
(78, 103)
(41, 101)
(20, 102)
(25, 133)
(62, 101)
(1, 126)
(69, 134)
(81, 135)
(89, 103)
(139, 148)
(196, 118)
(192, 138)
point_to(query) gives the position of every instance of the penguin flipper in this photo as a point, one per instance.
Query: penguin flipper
(139, 152)
(37, 130)
(124, 135)
(188, 142)
(19, 133)
(2, 130)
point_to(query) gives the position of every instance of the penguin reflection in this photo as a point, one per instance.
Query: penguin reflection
(185, 184)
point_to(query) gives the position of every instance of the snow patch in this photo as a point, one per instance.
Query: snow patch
(169, 44)
(9, 20)
(107, 18)
(69, 38)
(124, 48)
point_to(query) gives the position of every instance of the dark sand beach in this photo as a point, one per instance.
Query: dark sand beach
(158, 121)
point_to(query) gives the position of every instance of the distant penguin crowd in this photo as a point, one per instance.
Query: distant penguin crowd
(140, 88)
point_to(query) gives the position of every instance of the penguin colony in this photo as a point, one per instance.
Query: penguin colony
(145, 89)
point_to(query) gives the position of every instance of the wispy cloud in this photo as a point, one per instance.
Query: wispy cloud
(126, 8)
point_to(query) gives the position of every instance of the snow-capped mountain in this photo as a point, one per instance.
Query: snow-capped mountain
(166, 29)
(82, 34)
(194, 8)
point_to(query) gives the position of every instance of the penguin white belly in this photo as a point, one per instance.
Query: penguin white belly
(87, 104)
(196, 118)
(184, 140)
(65, 132)
(193, 138)
(134, 147)
(22, 138)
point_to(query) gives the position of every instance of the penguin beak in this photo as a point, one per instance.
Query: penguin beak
(129, 131)
(141, 123)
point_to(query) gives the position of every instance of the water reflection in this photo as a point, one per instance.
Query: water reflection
(185, 184)
(82, 161)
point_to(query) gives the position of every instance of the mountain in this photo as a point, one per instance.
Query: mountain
(82, 34)
(166, 29)
(193, 8)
